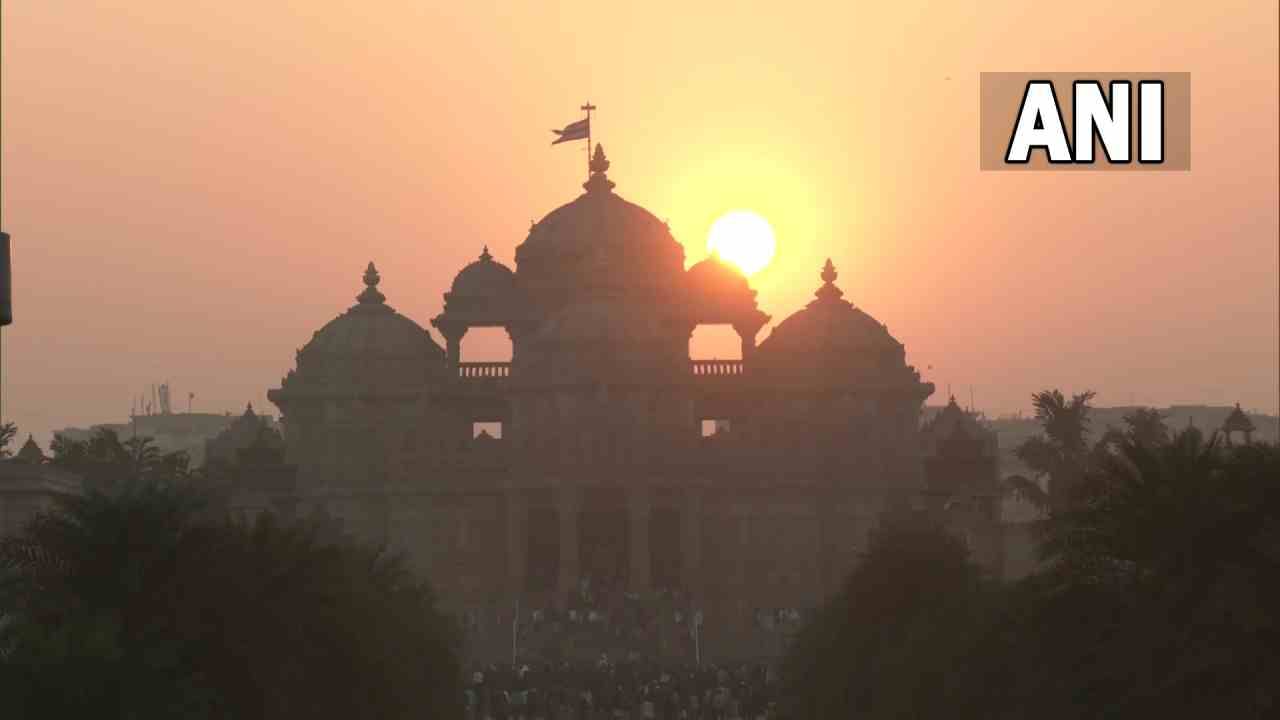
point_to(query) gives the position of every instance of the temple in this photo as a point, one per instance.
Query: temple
(600, 479)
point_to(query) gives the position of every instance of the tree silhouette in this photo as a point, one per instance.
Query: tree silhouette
(148, 602)
(1158, 596)
(8, 431)
(1060, 452)
(1146, 426)
(888, 645)
(103, 461)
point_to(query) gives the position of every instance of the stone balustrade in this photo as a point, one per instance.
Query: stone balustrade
(484, 370)
(719, 368)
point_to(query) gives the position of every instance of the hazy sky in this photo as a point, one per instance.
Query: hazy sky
(193, 188)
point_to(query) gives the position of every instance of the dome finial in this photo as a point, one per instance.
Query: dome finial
(371, 280)
(598, 182)
(829, 291)
(485, 256)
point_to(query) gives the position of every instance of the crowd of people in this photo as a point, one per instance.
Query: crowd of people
(663, 626)
(629, 689)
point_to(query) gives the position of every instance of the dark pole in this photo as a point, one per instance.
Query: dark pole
(6, 303)
(588, 107)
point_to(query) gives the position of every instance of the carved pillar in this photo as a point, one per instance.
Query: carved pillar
(453, 346)
(748, 343)
(569, 505)
(517, 519)
(638, 506)
(453, 334)
(691, 543)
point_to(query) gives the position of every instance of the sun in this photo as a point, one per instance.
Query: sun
(744, 239)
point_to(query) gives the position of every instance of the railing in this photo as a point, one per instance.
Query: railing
(716, 367)
(500, 370)
(491, 370)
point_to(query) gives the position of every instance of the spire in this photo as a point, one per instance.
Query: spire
(485, 256)
(30, 452)
(371, 296)
(829, 292)
(598, 182)
(1237, 420)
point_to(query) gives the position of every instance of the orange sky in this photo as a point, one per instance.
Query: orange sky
(193, 188)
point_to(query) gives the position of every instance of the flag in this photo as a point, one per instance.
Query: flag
(573, 131)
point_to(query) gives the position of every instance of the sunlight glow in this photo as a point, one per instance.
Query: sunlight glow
(744, 239)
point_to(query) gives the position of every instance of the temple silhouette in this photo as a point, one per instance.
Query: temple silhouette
(601, 479)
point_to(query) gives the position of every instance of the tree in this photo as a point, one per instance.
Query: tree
(1059, 453)
(148, 602)
(103, 461)
(1146, 426)
(8, 431)
(888, 645)
(1158, 597)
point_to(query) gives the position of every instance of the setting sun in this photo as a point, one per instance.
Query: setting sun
(744, 239)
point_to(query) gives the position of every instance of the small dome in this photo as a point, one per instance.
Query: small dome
(484, 278)
(953, 430)
(832, 335)
(246, 431)
(715, 276)
(30, 452)
(719, 290)
(1238, 421)
(368, 345)
(599, 240)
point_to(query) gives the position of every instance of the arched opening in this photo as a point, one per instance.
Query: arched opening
(486, 344)
(719, 342)
(492, 430)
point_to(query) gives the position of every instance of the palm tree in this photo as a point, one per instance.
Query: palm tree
(104, 461)
(1157, 596)
(1146, 426)
(1059, 453)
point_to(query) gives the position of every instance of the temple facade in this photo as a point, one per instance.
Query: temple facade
(599, 478)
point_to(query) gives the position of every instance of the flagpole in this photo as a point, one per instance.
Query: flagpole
(588, 108)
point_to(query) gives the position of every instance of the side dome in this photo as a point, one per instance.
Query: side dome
(831, 340)
(598, 242)
(720, 292)
(484, 279)
(368, 346)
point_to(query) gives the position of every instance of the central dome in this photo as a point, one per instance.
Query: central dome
(598, 244)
